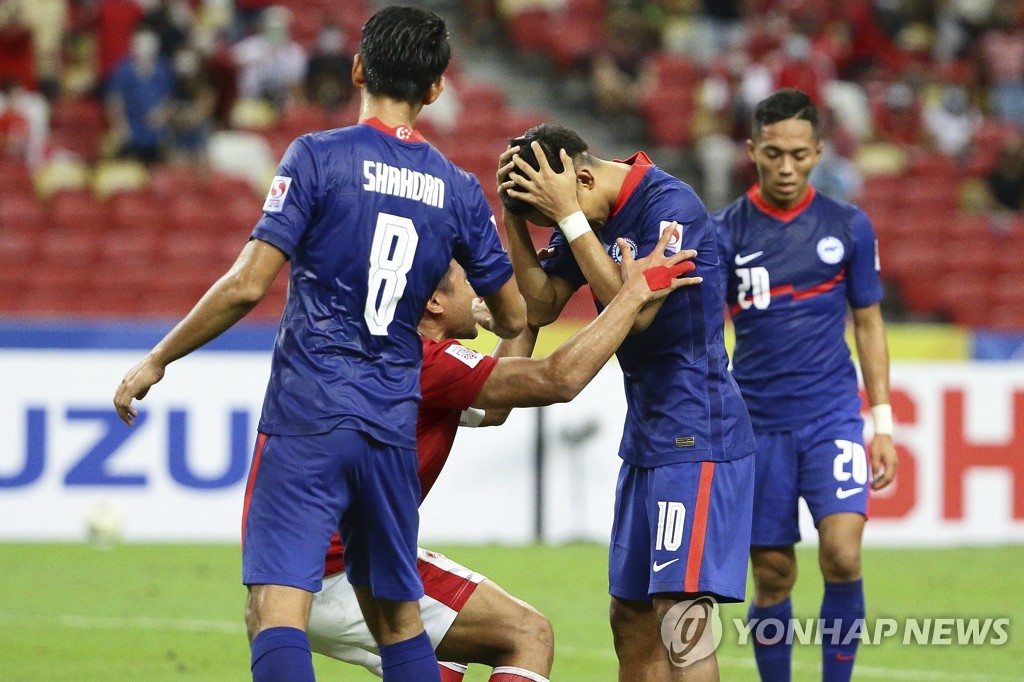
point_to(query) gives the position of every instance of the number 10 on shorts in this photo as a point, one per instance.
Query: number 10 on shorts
(671, 516)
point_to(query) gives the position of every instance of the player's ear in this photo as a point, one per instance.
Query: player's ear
(750, 149)
(434, 305)
(585, 177)
(435, 91)
(358, 76)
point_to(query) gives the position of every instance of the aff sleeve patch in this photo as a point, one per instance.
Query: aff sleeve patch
(677, 237)
(466, 356)
(278, 193)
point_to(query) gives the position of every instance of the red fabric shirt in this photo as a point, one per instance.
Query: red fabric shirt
(450, 380)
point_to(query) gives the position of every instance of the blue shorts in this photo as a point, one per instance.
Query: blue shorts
(824, 462)
(303, 488)
(682, 528)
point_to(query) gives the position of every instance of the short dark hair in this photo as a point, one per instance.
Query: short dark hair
(551, 138)
(404, 51)
(783, 105)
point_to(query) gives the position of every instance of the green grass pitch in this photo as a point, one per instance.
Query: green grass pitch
(174, 612)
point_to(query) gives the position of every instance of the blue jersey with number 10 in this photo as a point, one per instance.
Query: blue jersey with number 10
(370, 218)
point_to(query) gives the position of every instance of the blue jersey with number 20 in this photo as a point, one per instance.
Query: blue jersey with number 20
(370, 218)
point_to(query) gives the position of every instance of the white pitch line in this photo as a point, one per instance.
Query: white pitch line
(896, 674)
(235, 628)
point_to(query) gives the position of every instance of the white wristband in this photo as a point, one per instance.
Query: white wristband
(574, 226)
(882, 415)
(471, 417)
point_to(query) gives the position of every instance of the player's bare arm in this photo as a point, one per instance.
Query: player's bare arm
(525, 382)
(873, 351)
(227, 301)
(554, 195)
(508, 310)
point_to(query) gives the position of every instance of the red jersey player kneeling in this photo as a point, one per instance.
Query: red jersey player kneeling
(470, 619)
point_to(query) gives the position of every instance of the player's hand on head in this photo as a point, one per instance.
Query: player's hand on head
(505, 165)
(551, 193)
(884, 461)
(135, 385)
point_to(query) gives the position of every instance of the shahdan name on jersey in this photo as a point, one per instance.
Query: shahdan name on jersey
(403, 182)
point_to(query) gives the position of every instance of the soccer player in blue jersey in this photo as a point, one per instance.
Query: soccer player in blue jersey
(794, 260)
(369, 217)
(685, 489)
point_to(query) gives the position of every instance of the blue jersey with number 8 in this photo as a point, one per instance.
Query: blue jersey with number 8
(370, 218)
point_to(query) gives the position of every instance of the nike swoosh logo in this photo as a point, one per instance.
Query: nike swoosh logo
(743, 260)
(845, 657)
(657, 567)
(843, 494)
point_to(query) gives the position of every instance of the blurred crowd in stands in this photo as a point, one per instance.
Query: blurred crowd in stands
(123, 103)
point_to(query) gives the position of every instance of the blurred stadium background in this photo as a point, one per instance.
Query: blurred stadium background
(122, 198)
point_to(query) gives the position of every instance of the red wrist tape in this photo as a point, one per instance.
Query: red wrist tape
(660, 277)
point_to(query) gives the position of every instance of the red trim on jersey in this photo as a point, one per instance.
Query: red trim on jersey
(640, 163)
(447, 588)
(700, 527)
(260, 440)
(403, 133)
(785, 215)
(802, 295)
(449, 675)
(821, 288)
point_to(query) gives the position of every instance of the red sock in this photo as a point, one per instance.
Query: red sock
(452, 672)
(507, 673)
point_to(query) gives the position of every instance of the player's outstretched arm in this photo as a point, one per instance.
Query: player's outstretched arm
(523, 382)
(224, 304)
(873, 352)
(508, 310)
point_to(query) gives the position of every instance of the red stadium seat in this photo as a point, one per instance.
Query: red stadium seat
(128, 248)
(78, 211)
(528, 29)
(137, 211)
(23, 212)
(68, 249)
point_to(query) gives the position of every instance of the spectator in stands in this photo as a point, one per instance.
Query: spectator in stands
(799, 67)
(836, 175)
(16, 60)
(271, 65)
(47, 20)
(329, 74)
(171, 20)
(898, 117)
(116, 21)
(1006, 182)
(1003, 55)
(615, 73)
(192, 105)
(952, 120)
(138, 99)
(24, 124)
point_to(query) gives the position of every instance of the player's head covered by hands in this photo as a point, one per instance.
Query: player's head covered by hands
(551, 139)
(404, 51)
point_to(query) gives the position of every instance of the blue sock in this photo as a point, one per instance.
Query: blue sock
(282, 655)
(843, 602)
(774, 658)
(412, 660)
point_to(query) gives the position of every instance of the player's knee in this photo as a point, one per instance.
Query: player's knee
(840, 562)
(532, 631)
(629, 619)
(774, 580)
(252, 616)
